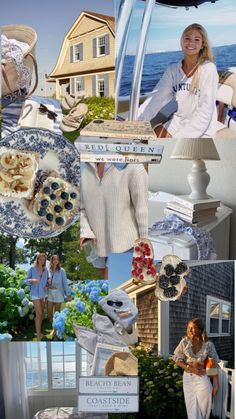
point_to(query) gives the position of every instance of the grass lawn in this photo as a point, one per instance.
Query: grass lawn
(98, 107)
(30, 335)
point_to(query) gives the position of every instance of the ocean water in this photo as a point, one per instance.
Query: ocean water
(155, 65)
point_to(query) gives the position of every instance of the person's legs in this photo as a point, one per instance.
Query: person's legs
(57, 307)
(204, 396)
(104, 272)
(38, 306)
(197, 396)
(50, 310)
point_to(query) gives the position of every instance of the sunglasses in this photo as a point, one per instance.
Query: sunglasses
(114, 303)
(43, 109)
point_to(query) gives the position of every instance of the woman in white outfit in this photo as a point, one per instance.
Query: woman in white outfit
(193, 84)
(113, 208)
(190, 355)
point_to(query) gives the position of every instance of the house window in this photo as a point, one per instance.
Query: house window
(101, 45)
(54, 366)
(78, 84)
(101, 87)
(218, 317)
(76, 53)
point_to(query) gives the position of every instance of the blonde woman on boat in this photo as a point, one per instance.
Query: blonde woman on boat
(57, 286)
(113, 208)
(37, 277)
(193, 83)
(190, 355)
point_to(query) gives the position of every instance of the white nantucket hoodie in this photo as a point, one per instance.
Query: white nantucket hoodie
(196, 115)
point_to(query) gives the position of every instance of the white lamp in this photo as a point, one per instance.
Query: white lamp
(196, 149)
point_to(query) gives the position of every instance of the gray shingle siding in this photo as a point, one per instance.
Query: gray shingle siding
(216, 280)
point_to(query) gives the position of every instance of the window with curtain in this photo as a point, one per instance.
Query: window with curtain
(54, 366)
(218, 317)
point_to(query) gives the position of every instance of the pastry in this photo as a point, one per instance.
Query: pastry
(56, 201)
(171, 281)
(143, 267)
(17, 173)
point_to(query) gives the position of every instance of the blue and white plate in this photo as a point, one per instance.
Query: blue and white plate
(56, 154)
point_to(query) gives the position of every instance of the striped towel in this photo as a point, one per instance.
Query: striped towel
(11, 113)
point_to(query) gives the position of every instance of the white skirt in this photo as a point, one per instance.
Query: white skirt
(197, 396)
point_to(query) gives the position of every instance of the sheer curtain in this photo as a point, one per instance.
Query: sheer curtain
(12, 370)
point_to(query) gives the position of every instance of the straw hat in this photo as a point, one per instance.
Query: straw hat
(121, 363)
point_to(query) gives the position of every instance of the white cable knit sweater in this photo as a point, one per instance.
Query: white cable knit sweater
(114, 209)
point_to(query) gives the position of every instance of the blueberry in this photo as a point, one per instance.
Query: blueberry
(49, 217)
(169, 269)
(181, 268)
(54, 185)
(64, 195)
(53, 197)
(44, 203)
(41, 212)
(163, 282)
(174, 279)
(46, 190)
(57, 208)
(68, 205)
(170, 292)
(73, 195)
(59, 221)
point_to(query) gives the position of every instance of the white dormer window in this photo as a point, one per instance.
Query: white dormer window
(101, 45)
(76, 53)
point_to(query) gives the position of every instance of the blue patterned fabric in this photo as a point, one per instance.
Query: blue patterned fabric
(203, 240)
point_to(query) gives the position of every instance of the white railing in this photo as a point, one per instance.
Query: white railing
(223, 404)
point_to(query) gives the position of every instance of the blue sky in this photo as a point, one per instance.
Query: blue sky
(51, 20)
(167, 25)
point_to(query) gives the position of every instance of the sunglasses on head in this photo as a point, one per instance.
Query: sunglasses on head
(114, 303)
(50, 114)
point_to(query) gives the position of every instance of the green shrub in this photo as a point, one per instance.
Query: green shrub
(161, 387)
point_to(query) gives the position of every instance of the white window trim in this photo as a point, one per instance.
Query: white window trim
(221, 302)
(101, 36)
(53, 391)
(74, 59)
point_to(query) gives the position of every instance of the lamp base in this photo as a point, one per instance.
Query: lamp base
(198, 180)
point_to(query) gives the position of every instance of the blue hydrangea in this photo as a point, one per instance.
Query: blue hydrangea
(105, 287)
(2, 291)
(3, 324)
(21, 293)
(25, 302)
(21, 312)
(5, 337)
(80, 305)
(94, 296)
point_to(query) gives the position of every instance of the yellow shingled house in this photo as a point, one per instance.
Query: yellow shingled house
(87, 57)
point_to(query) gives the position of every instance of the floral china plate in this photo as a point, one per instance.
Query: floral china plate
(56, 154)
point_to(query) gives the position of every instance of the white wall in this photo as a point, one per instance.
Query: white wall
(171, 176)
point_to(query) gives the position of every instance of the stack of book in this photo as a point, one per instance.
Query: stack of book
(196, 212)
(119, 142)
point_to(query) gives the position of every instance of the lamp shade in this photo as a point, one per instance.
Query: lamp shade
(195, 149)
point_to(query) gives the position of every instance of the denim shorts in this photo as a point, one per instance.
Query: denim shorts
(55, 296)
